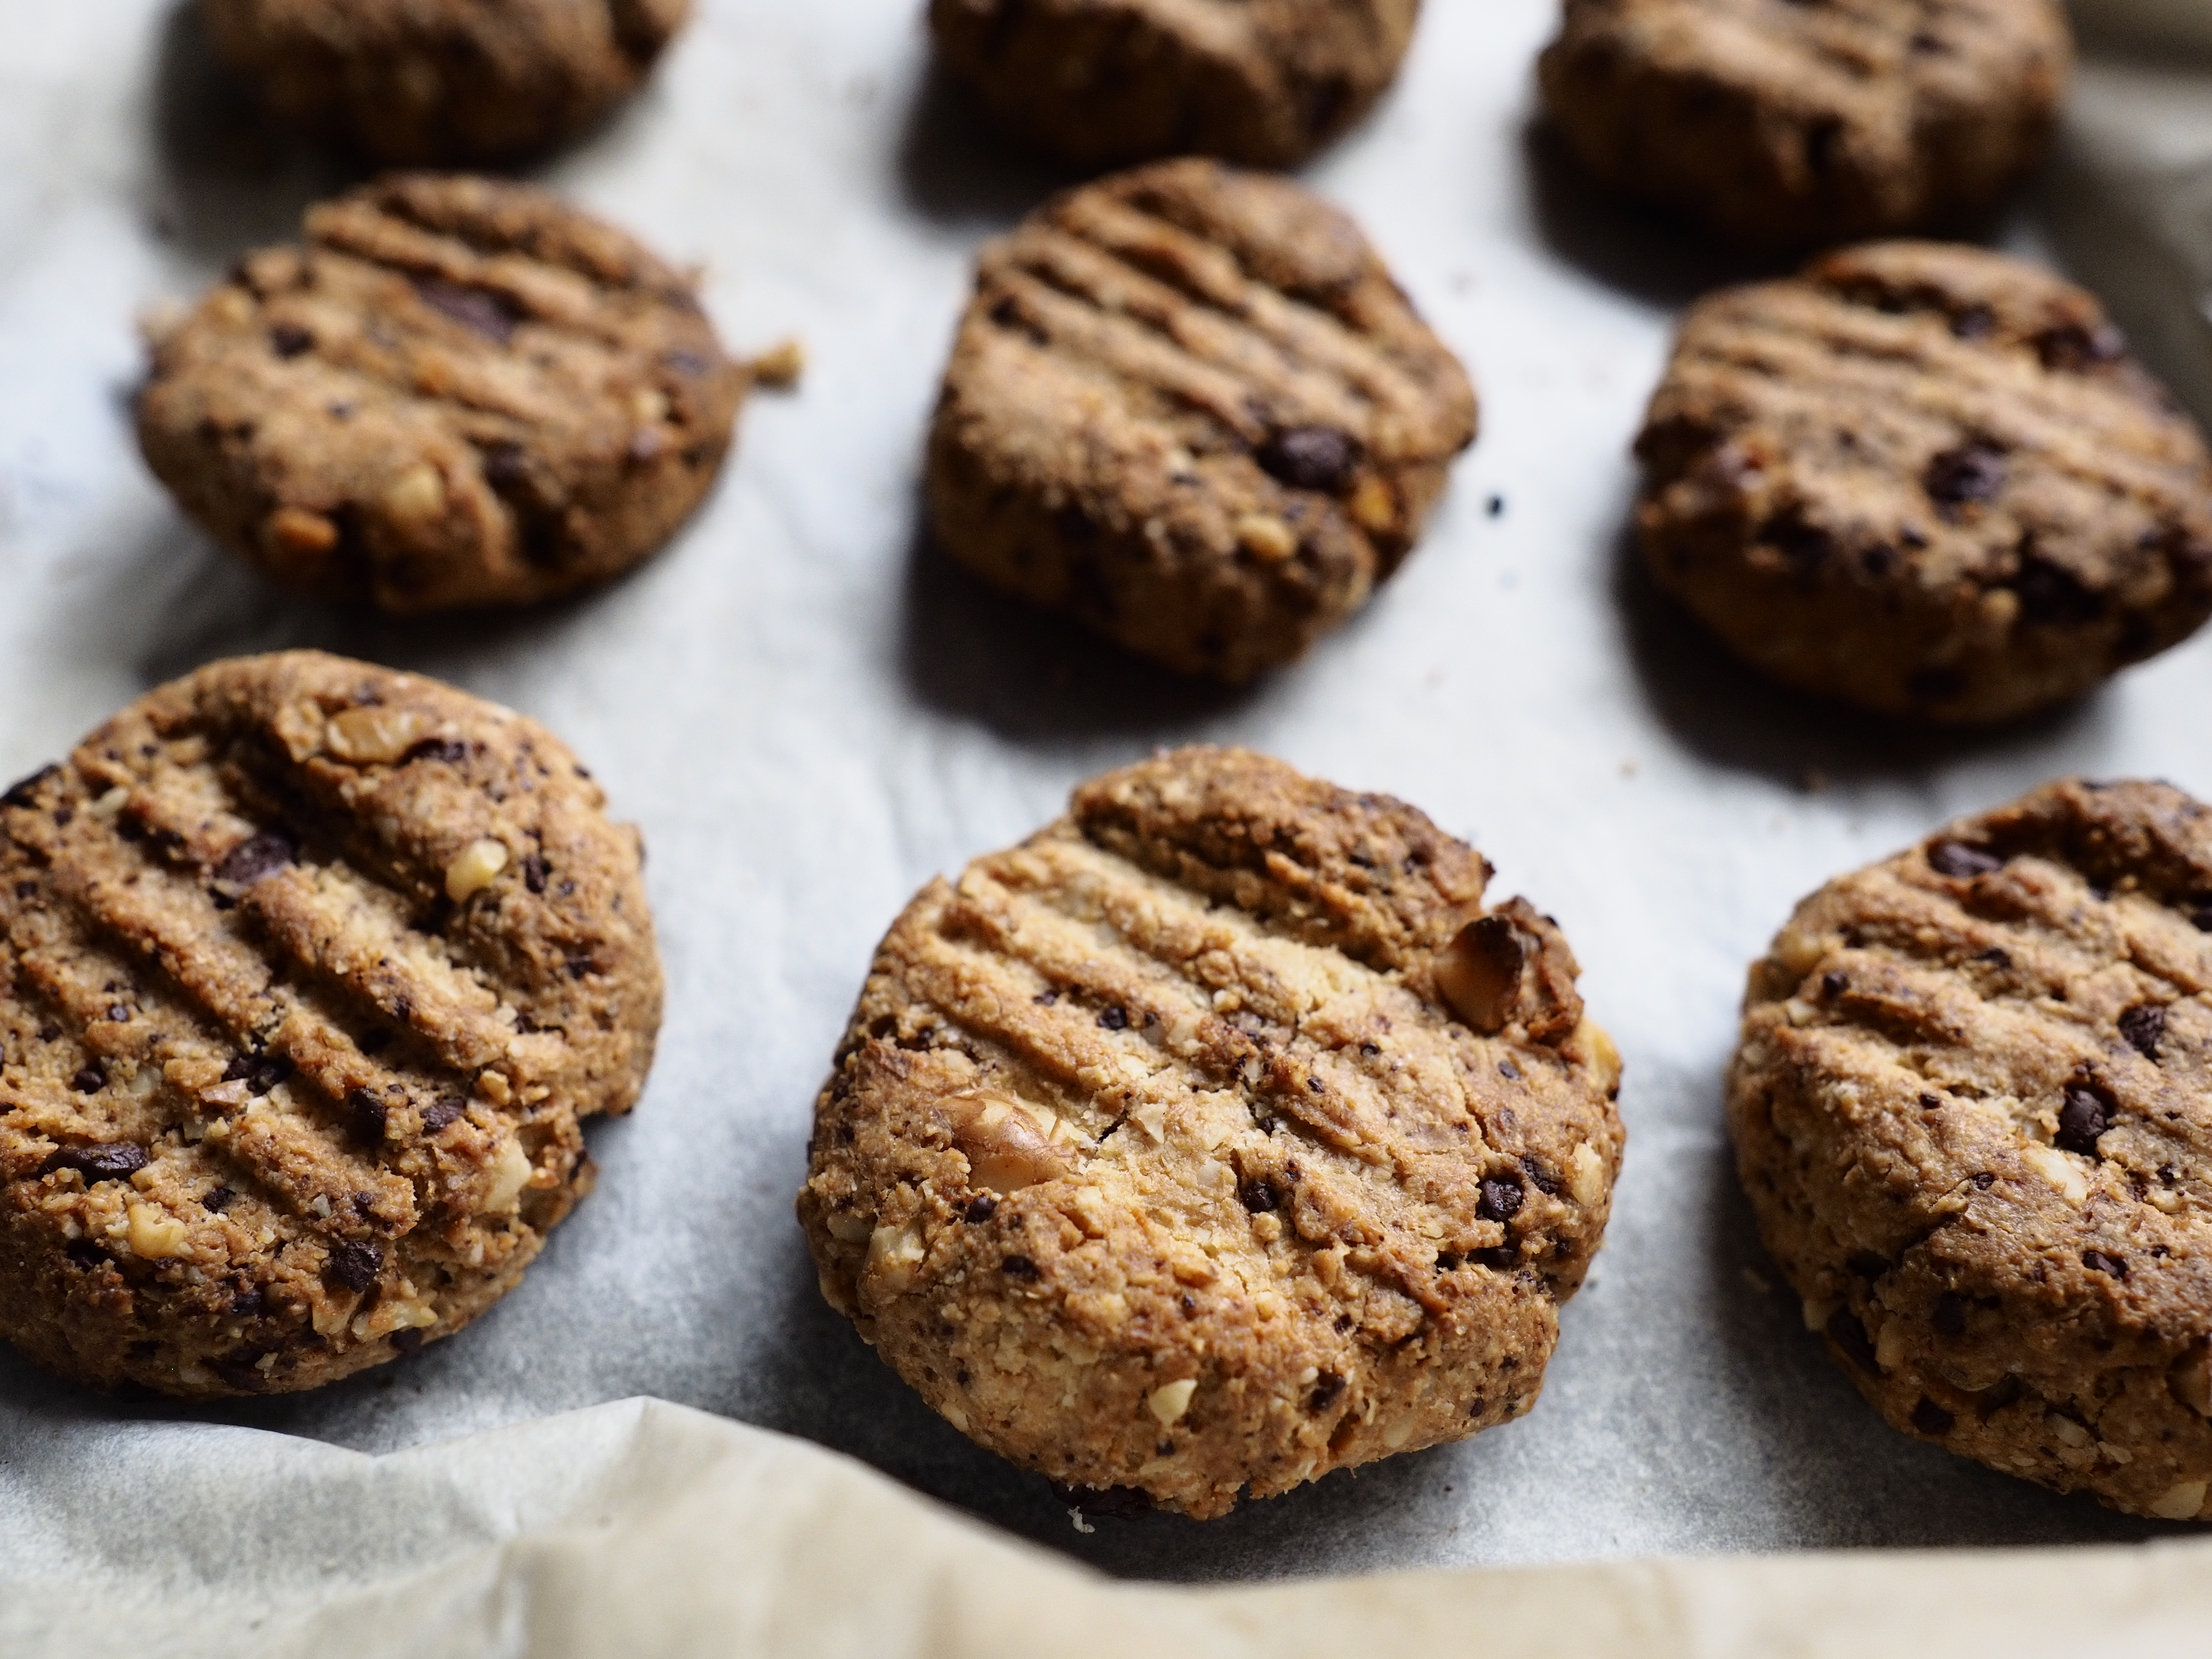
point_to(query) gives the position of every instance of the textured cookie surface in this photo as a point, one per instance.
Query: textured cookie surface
(1795, 122)
(443, 82)
(308, 972)
(1105, 83)
(1189, 407)
(1927, 480)
(1973, 1111)
(1216, 1138)
(457, 392)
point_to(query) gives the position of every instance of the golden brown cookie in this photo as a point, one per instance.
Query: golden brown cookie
(1103, 83)
(309, 971)
(443, 82)
(1188, 407)
(1927, 480)
(1215, 1138)
(459, 393)
(1973, 1109)
(1809, 122)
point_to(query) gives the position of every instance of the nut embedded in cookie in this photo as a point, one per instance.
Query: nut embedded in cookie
(1188, 407)
(1162, 1158)
(1971, 1110)
(1103, 83)
(457, 392)
(281, 1097)
(1924, 479)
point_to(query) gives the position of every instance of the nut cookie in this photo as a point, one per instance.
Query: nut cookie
(1103, 83)
(443, 82)
(1188, 407)
(459, 392)
(1215, 1138)
(1973, 1109)
(1795, 122)
(1927, 480)
(308, 972)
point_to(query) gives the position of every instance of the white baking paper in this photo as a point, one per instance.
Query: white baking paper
(809, 713)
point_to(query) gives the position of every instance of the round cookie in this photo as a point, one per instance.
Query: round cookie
(444, 82)
(1188, 407)
(1103, 83)
(1788, 123)
(308, 972)
(1215, 1138)
(1973, 1111)
(1927, 480)
(459, 393)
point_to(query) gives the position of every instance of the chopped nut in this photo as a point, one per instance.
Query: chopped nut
(780, 367)
(1004, 1148)
(1593, 1048)
(650, 406)
(952, 1414)
(475, 868)
(1798, 952)
(375, 735)
(2191, 1380)
(1374, 506)
(2068, 1431)
(155, 1234)
(893, 1255)
(1087, 1207)
(510, 1174)
(2181, 1501)
(295, 530)
(848, 1227)
(1586, 1175)
(1397, 1432)
(231, 305)
(111, 803)
(495, 1087)
(1479, 972)
(1171, 1400)
(1817, 1313)
(1265, 536)
(1889, 1345)
(2061, 1170)
(418, 494)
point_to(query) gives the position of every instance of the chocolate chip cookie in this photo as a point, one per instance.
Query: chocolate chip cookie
(1215, 1138)
(1973, 1109)
(1103, 83)
(443, 82)
(308, 972)
(1188, 407)
(1927, 480)
(1809, 122)
(459, 393)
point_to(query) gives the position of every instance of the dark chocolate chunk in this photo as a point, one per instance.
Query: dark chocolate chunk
(2144, 1027)
(1509, 1070)
(1020, 1267)
(1114, 1020)
(1971, 473)
(980, 1209)
(218, 1198)
(1846, 1333)
(1260, 1194)
(89, 1080)
(1983, 1180)
(2084, 1116)
(492, 315)
(1931, 1418)
(84, 1252)
(253, 860)
(367, 1116)
(290, 340)
(24, 790)
(1540, 1177)
(534, 871)
(1312, 457)
(1961, 861)
(118, 1161)
(2052, 595)
(1501, 1198)
(258, 1073)
(2098, 1261)
(1326, 1389)
(1949, 1316)
(1835, 982)
(355, 1264)
(438, 1113)
(452, 751)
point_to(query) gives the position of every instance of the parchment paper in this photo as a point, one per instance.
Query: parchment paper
(809, 713)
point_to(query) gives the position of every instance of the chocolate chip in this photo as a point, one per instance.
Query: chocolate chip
(1949, 1314)
(258, 1073)
(1805, 545)
(1960, 861)
(2098, 1261)
(1930, 1103)
(1931, 1418)
(86, 1254)
(1020, 1267)
(452, 751)
(1319, 457)
(1369, 1050)
(438, 1113)
(492, 315)
(355, 1264)
(1501, 1198)
(1541, 1178)
(1114, 1020)
(1326, 1389)
(2053, 596)
(1107, 1502)
(2082, 1117)
(1835, 982)
(118, 1161)
(1846, 1333)
(534, 871)
(2073, 348)
(2200, 916)
(1046, 998)
(24, 790)
(980, 1209)
(26, 889)
(89, 1080)
(1500, 1258)
(2144, 1027)
(1509, 1070)
(1974, 322)
(1971, 473)
(218, 1198)
(1260, 1194)
(290, 340)
(367, 1116)
(1995, 956)
(408, 1341)
(1983, 1180)
(253, 860)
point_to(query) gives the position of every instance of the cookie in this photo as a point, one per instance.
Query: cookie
(1103, 83)
(309, 971)
(444, 82)
(1188, 407)
(1215, 1138)
(1973, 1109)
(1809, 122)
(459, 392)
(1927, 480)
